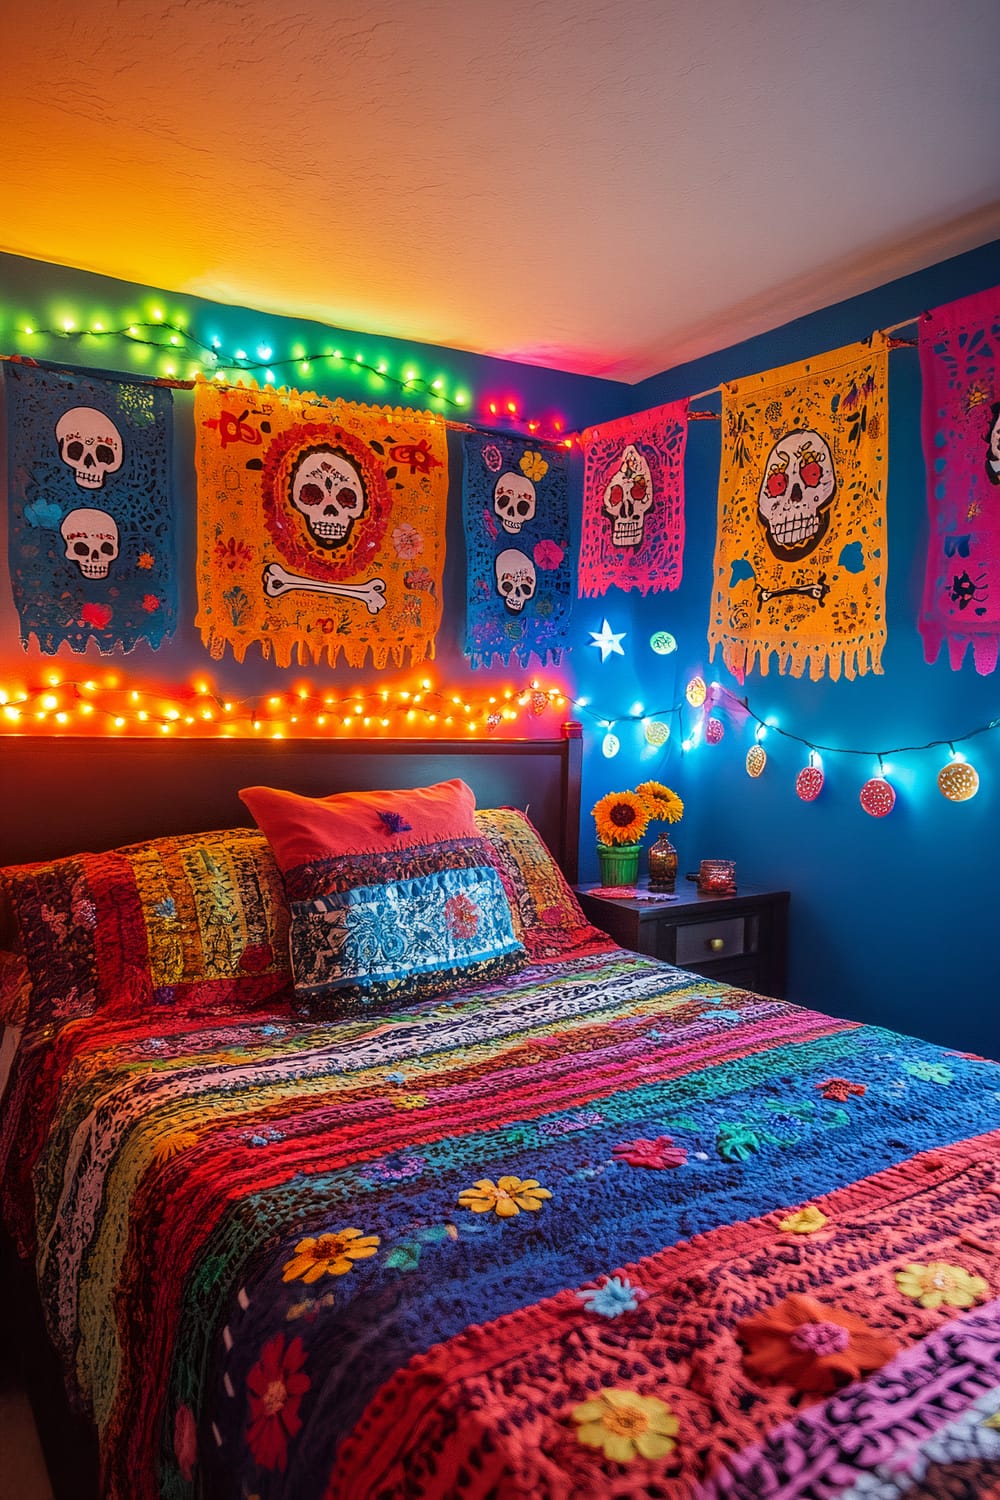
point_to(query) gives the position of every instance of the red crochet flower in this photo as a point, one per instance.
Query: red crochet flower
(840, 1089)
(813, 1347)
(658, 1154)
(98, 615)
(275, 1387)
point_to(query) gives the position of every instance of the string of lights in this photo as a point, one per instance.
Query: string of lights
(188, 359)
(77, 705)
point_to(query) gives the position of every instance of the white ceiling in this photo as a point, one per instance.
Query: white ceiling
(608, 188)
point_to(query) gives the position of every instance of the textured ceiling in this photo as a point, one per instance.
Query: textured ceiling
(609, 188)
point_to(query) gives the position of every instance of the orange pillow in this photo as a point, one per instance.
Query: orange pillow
(303, 829)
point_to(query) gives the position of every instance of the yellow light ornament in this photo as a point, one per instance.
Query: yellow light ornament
(696, 692)
(958, 781)
(756, 760)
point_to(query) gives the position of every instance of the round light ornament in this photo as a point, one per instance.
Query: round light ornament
(878, 798)
(662, 642)
(958, 781)
(610, 746)
(657, 733)
(756, 760)
(696, 692)
(809, 783)
(714, 730)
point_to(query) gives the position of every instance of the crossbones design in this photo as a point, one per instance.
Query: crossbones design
(277, 581)
(817, 591)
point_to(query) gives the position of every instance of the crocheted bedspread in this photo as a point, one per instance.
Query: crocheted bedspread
(604, 1229)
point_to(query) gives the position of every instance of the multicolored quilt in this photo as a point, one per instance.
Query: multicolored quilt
(604, 1229)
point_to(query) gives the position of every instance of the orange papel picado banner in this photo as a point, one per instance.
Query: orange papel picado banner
(800, 556)
(321, 527)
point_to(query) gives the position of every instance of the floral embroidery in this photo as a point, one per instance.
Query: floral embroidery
(929, 1072)
(658, 1154)
(805, 1221)
(810, 1346)
(145, 560)
(462, 916)
(840, 1089)
(329, 1254)
(493, 458)
(505, 1197)
(98, 615)
(623, 1424)
(533, 466)
(736, 1142)
(275, 1387)
(615, 1297)
(938, 1283)
(407, 541)
(232, 554)
(548, 554)
(395, 822)
(150, 603)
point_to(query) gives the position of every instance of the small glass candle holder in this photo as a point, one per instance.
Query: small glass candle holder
(717, 877)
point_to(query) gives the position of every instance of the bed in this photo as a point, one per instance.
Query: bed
(594, 1226)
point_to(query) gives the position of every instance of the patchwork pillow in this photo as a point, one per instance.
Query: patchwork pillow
(547, 916)
(393, 896)
(199, 919)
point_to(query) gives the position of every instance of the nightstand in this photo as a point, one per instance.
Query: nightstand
(741, 939)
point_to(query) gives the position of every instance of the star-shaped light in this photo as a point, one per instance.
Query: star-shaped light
(607, 641)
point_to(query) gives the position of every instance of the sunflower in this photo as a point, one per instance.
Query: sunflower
(505, 1197)
(621, 817)
(665, 805)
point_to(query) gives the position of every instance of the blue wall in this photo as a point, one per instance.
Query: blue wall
(892, 919)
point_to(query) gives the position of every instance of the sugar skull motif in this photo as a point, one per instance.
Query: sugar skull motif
(328, 491)
(514, 501)
(797, 493)
(628, 499)
(90, 444)
(91, 538)
(516, 580)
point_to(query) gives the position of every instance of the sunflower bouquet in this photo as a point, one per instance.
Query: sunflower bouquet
(623, 817)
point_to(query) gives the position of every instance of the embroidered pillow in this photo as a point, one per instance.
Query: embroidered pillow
(547, 916)
(393, 896)
(200, 919)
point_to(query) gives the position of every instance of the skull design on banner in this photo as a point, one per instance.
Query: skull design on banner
(328, 490)
(91, 538)
(628, 498)
(796, 494)
(516, 579)
(514, 501)
(90, 444)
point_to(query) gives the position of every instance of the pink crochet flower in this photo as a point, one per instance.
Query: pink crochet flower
(657, 1154)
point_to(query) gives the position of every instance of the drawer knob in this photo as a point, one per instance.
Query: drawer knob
(716, 944)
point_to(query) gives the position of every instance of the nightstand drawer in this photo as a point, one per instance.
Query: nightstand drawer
(698, 941)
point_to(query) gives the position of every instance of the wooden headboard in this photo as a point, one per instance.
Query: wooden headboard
(66, 795)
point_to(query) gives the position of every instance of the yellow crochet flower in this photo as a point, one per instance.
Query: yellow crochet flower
(621, 817)
(938, 1283)
(533, 466)
(624, 1424)
(806, 1221)
(665, 805)
(506, 1197)
(329, 1254)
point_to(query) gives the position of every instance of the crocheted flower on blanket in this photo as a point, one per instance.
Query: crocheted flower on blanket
(805, 1221)
(816, 1348)
(275, 1387)
(329, 1254)
(929, 1072)
(840, 1089)
(625, 1425)
(939, 1284)
(616, 1296)
(505, 1197)
(658, 1154)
